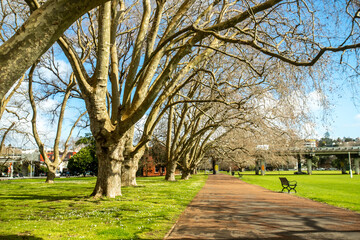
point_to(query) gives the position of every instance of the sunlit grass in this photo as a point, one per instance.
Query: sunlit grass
(31, 209)
(290, 172)
(334, 189)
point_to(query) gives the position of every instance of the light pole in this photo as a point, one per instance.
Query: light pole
(350, 165)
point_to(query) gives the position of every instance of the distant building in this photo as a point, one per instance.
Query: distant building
(150, 168)
(310, 143)
(64, 163)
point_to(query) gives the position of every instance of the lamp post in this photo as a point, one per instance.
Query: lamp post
(351, 175)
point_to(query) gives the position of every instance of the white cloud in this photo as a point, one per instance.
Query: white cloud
(314, 101)
(48, 104)
(64, 70)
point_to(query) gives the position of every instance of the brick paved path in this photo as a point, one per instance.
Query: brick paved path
(228, 208)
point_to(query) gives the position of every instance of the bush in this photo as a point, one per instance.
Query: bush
(85, 160)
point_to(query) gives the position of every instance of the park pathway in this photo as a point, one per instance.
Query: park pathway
(228, 208)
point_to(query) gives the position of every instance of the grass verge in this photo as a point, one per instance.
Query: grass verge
(31, 209)
(334, 189)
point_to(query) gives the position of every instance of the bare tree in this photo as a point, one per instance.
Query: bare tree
(52, 164)
(267, 138)
(12, 16)
(14, 111)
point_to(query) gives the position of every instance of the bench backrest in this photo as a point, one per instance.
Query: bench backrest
(284, 181)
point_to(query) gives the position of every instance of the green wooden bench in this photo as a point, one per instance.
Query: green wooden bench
(289, 185)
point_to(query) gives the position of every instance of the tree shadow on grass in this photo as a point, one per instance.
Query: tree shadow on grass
(18, 237)
(48, 198)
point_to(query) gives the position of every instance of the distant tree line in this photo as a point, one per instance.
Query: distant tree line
(326, 141)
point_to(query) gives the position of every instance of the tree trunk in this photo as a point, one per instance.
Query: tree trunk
(343, 166)
(50, 176)
(185, 174)
(257, 167)
(299, 164)
(356, 163)
(263, 168)
(170, 171)
(110, 157)
(129, 169)
(309, 166)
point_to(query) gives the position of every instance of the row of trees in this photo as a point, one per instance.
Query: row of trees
(326, 141)
(214, 68)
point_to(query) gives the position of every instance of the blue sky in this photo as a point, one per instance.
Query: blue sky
(346, 117)
(343, 119)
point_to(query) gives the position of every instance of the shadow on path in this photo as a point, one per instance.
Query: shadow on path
(228, 208)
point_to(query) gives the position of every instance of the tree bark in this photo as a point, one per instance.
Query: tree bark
(185, 174)
(343, 166)
(51, 173)
(309, 166)
(110, 157)
(130, 167)
(356, 163)
(170, 171)
(257, 167)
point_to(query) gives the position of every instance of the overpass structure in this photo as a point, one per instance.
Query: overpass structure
(320, 151)
(349, 153)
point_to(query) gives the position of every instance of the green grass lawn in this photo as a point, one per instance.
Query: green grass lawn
(328, 187)
(31, 209)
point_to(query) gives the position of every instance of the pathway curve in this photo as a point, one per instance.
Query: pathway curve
(228, 208)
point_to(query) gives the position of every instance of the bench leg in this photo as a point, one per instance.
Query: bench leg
(290, 188)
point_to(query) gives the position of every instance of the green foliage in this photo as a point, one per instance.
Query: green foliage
(85, 160)
(327, 135)
(315, 159)
(33, 210)
(3, 169)
(325, 142)
(88, 140)
(334, 189)
(340, 162)
(348, 139)
(43, 169)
